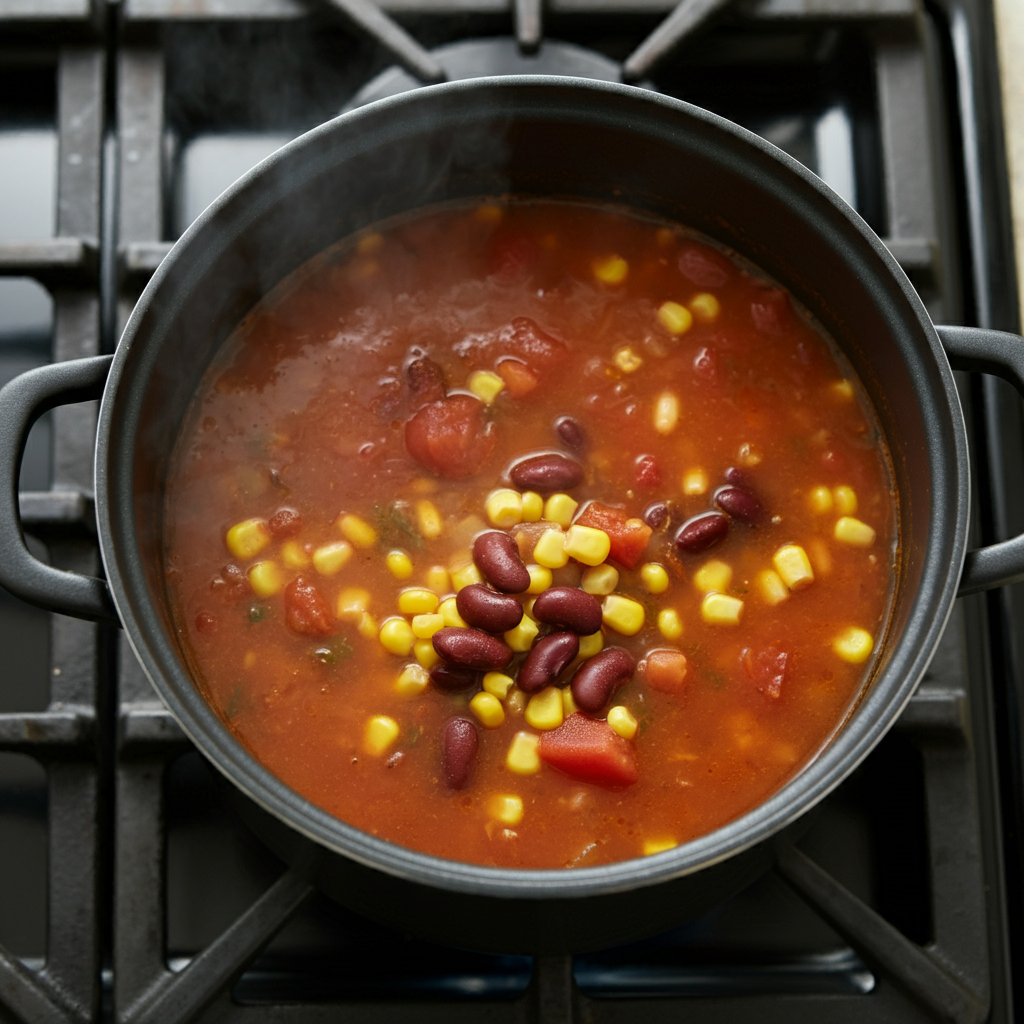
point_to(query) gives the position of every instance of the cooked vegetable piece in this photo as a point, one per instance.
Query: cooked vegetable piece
(451, 437)
(628, 537)
(590, 751)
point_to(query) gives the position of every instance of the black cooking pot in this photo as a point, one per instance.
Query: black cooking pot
(544, 137)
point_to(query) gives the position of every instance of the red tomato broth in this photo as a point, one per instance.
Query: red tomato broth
(305, 409)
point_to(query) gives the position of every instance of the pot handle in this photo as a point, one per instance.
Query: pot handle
(1002, 355)
(22, 401)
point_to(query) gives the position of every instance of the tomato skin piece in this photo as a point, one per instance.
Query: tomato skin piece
(628, 537)
(450, 437)
(767, 668)
(590, 751)
(305, 610)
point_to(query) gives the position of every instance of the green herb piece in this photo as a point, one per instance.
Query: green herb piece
(396, 526)
(256, 613)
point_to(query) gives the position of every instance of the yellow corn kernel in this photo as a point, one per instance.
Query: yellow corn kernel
(294, 555)
(676, 319)
(352, 602)
(399, 564)
(568, 704)
(533, 506)
(669, 623)
(772, 589)
(426, 625)
(521, 638)
(423, 651)
(450, 613)
(587, 544)
(545, 709)
(507, 808)
(622, 614)
(265, 579)
(329, 559)
(610, 269)
(591, 645)
(412, 681)
(713, 575)
(497, 684)
(540, 578)
(438, 579)
(841, 390)
(666, 412)
(417, 601)
(550, 550)
(820, 500)
(654, 577)
(721, 610)
(369, 243)
(381, 732)
(627, 360)
(357, 531)
(695, 481)
(846, 500)
(653, 846)
(247, 539)
(560, 508)
(504, 508)
(852, 531)
(367, 626)
(516, 700)
(487, 709)
(250, 659)
(466, 576)
(622, 722)
(528, 608)
(486, 385)
(397, 636)
(705, 307)
(793, 565)
(428, 519)
(488, 213)
(523, 757)
(600, 579)
(853, 645)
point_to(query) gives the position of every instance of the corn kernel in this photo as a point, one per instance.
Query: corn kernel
(622, 614)
(369, 243)
(705, 307)
(528, 608)
(627, 360)
(521, 638)
(250, 659)
(417, 601)
(265, 579)
(654, 577)
(853, 645)
(497, 684)
(424, 653)
(841, 390)
(523, 757)
(516, 700)
(545, 709)
(653, 846)
(540, 578)
(533, 506)
(792, 564)
(550, 550)
(438, 579)
(721, 610)
(506, 808)
(600, 579)
(488, 213)
(820, 500)
(487, 709)
(428, 519)
(846, 500)
(450, 613)
(591, 645)
(293, 554)
(666, 412)
(367, 626)
(560, 508)
(771, 587)
(357, 531)
(669, 624)
(713, 575)
(587, 544)
(622, 722)
(676, 319)
(852, 531)
(504, 508)
(412, 681)
(352, 602)
(397, 636)
(247, 539)
(381, 733)
(426, 625)
(568, 704)
(486, 385)
(329, 559)
(610, 269)
(695, 481)
(399, 564)
(466, 576)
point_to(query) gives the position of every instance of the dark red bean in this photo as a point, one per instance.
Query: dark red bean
(497, 556)
(454, 678)
(285, 522)
(206, 622)
(546, 473)
(739, 503)
(547, 660)
(656, 515)
(485, 609)
(701, 532)
(569, 608)
(426, 381)
(736, 476)
(458, 755)
(472, 648)
(648, 472)
(572, 434)
(597, 679)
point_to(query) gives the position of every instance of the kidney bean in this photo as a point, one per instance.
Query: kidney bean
(569, 608)
(598, 678)
(739, 503)
(459, 745)
(472, 648)
(547, 660)
(736, 476)
(453, 678)
(572, 434)
(547, 472)
(656, 515)
(497, 556)
(285, 522)
(648, 472)
(493, 612)
(701, 532)
(426, 381)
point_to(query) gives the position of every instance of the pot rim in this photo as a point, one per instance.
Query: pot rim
(930, 606)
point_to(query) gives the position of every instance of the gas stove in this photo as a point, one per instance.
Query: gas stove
(129, 890)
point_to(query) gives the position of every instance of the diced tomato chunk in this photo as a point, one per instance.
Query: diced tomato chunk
(451, 437)
(665, 669)
(590, 751)
(767, 668)
(648, 472)
(306, 611)
(704, 266)
(519, 379)
(629, 537)
(771, 311)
